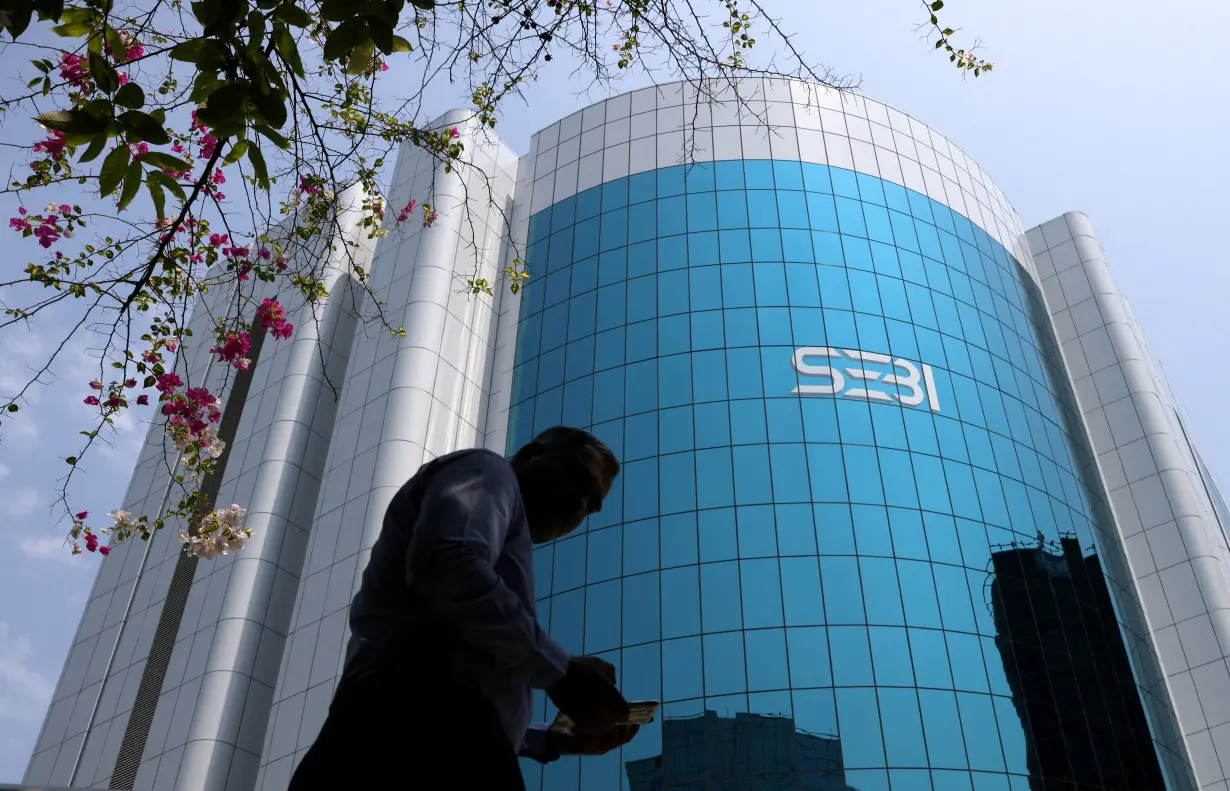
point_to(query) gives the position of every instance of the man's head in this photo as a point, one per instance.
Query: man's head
(564, 474)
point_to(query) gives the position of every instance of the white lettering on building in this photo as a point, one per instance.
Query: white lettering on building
(868, 376)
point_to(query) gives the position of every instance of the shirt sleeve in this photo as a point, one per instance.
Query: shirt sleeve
(537, 744)
(463, 521)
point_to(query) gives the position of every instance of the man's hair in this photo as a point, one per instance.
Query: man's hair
(566, 444)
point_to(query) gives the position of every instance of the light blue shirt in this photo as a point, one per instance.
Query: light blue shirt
(451, 578)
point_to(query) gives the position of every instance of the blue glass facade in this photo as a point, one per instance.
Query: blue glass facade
(847, 446)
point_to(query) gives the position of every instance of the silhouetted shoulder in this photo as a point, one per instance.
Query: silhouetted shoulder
(488, 464)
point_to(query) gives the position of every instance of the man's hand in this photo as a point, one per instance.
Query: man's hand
(567, 742)
(587, 694)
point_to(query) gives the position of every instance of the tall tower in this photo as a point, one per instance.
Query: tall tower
(847, 389)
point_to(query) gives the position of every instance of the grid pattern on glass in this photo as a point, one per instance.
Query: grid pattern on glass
(845, 565)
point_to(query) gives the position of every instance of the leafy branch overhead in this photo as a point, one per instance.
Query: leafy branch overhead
(152, 112)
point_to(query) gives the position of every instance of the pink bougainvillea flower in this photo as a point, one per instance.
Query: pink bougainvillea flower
(90, 400)
(83, 515)
(143, 400)
(234, 350)
(168, 382)
(96, 385)
(272, 317)
(53, 145)
(104, 551)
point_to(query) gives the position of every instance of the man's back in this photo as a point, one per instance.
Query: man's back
(420, 593)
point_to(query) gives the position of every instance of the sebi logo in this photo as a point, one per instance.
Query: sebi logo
(869, 376)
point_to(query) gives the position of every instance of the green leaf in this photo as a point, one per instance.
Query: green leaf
(72, 460)
(49, 10)
(340, 10)
(105, 77)
(96, 147)
(17, 21)
(258, 164)
(206, 83)
(287, 48)
(170, 185)
(132, 183)
(937, 5)
(380, 10)
(382, 35)
(361, 58)
(130, 95)
(114, 40)
(73, 122)
(292, 14)
(72, 29)
(346, 37)
(113, 168)
(272, 107)
(205, 52)
(236, 153)
(156, 194)
(229, 12)
(165, 162)
(142, 126)
(273, 137)
(225, 103)
(34, 82)
(13, 407)
(401, 45)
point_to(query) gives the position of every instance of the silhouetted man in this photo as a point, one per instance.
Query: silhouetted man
(445, 646)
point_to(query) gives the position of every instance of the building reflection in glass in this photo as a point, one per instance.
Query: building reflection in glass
(1069, 672)
(744, 752)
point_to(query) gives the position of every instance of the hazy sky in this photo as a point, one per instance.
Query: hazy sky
(1118, 109)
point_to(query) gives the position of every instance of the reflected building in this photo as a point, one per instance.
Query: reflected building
(740, 753)
(1068, 667)
(840, 375)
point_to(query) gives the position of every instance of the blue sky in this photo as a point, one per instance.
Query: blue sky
(1112, 108)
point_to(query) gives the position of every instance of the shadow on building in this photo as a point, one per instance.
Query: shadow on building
(1068, 669)
(744, 752)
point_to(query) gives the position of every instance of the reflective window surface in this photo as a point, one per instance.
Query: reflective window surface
(851, 546)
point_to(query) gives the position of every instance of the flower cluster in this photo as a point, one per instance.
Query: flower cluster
(216, 179)
(46, 229)
(80, 531)
(53, 146)
(116, 397)
(75, 70)
(208, 142)
(407, 210)
(272, 317)
(219, 533)
(233, 348)
(310, 185)
(132, 48)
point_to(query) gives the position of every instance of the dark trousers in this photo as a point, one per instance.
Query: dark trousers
(409, 729)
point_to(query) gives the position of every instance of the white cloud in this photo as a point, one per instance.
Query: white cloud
(46, 548)
(21, 431)
(20, 501)
(24, 690)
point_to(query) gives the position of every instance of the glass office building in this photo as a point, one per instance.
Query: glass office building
(835, 403)
(905, 502)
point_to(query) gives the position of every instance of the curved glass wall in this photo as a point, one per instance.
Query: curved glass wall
(850, 547)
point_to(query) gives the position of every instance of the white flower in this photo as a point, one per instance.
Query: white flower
(121, 516)
(51, 208)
